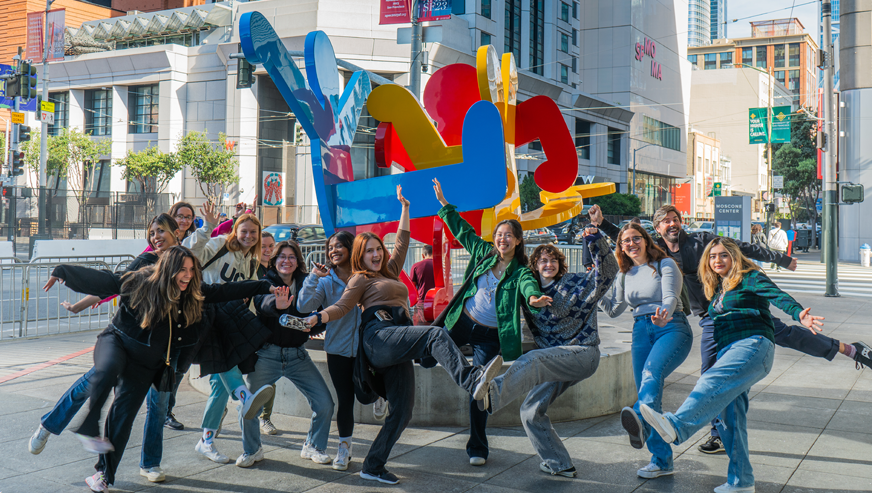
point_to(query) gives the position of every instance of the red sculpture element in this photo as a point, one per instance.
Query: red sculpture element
(449, 94)
(539, 117)
(389, 149)
(339, 168)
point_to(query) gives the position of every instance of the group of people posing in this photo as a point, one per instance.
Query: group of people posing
(223, 301)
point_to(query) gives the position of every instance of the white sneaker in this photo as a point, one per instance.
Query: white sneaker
(490, 370)
(728, 488)
(38, 440)
(97, 482)
(252, 405)
(652, 471)
(380, 409)
(267, 428)
(246, 460)
(317, 456)
(210, 450)
(477, 461)
(95, 445)
(659, 422)
(154, 474)
(343, 457)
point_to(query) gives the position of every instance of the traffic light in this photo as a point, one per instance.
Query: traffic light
(853, 193)
(17, 163)
(770, 207)
(27, 80)
(12, 86)
(298, 134)
(244, 72)
(23, 133)
(822, 140)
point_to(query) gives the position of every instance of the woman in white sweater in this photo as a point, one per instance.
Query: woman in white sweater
(229, 258)
(650, 283)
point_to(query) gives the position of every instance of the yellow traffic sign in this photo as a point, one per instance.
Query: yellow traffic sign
(47, 106)
(18, 117)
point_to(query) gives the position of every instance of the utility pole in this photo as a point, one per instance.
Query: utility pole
(769, 148)
(831, 199)
(43, 128)
(417, 47)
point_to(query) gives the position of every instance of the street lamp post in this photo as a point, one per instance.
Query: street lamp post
(768, 134)
(634, 166)
(831, 200)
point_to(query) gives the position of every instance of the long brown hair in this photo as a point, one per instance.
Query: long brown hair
(182, 205)
(711, 279)
(298, 252)
(359, 248)
(654, 253)
(165, 222)
(153, 290)
(517, 232)
(552, 251)
(233, 243)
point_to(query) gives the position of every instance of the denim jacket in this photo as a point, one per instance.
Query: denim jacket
(340, 338)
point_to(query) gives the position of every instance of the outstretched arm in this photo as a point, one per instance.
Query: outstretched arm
(85, 280)
(229, 291)
(756, 252)
(462, 230)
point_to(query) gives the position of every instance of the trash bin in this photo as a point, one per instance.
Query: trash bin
(866, 255)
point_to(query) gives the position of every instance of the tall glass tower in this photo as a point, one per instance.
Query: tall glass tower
(718, 19)
(699, 23)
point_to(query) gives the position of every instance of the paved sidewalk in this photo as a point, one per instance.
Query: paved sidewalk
(809, 427)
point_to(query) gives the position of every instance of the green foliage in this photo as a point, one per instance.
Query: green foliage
(529, 192)
(150, 167)
(797, 162)
(3, 146)
(213, 166)
(619, 204)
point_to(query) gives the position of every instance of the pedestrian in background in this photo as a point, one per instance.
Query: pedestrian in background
(422, 278)
(758, 239)
(777, 241)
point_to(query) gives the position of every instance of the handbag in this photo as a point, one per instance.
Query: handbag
(167, 380)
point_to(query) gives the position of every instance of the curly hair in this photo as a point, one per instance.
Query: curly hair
(553, 251)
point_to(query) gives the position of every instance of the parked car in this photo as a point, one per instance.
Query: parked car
(701, 226)
(307, 234)
(539, 236)
(566, 231)
(647, 224)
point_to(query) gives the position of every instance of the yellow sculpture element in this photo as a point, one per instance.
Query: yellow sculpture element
(426, 148)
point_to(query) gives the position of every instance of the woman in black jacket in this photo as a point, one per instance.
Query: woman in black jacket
(284, 356)
(161, 308)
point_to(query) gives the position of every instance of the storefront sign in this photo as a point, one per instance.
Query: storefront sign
(681, 198)
(649, 48)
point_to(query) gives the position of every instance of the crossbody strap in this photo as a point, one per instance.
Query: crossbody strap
(170, 342)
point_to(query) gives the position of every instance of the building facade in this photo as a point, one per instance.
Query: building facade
(699, 22)
(780, 47)
(709, 171)
(718, 19)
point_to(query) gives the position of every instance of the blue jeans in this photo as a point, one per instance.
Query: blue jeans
(273, 363)
(222, 385)
(485, 342)
(152, 433)
(657, 352)
(57, 420)
(724, 387)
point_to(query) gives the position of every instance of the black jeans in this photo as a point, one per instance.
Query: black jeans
(392, 350)
(341, 370)
(485, 342)
(789, 336)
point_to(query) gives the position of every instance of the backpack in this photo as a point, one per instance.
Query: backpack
(684, 297)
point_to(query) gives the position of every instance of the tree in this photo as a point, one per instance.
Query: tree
(619, 204)
(71, 155)
(150, 167)
(214, 167)
(797, 162)
(529, 192)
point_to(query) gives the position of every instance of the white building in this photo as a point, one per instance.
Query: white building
(170, 72)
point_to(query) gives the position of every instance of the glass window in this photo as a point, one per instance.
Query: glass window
(537, 37)
(574, 65)
(564, 74)
(575, 37)
(711, 61)
(614, 147)
(793, 54)
(61, 101)
(485, 39)
(575, 10)
(778, 59)
(512, 26)
(779, 76)
(662, 134)
(98, 111)
(582, 138)
(793, 81)
(761, 57)
(564, 12)
(692, 59)
(143, 109)
(97, 178)
(748, 56)
(727, 59)
(486, 8)
(564, 43)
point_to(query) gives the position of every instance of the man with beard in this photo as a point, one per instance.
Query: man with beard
(687, 249)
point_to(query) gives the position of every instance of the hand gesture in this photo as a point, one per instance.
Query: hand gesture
(401, 198)
(590, 230)
(311, 321)
(283, 298)
(210, 213)
(71, 307)
(811, 322)
(541, 301)
(320, 270)
(659, 318)
(793, 264)
(437, 187)
(51, 282)
(240, 209)
(596, 215)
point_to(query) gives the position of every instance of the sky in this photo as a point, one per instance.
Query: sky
(760, 10)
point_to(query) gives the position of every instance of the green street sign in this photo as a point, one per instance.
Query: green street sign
(757, 125)
(717, 189)
(781, 125)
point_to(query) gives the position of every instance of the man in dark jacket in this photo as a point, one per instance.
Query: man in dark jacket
(687, 250)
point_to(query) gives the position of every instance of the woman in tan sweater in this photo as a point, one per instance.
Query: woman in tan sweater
(391, 343)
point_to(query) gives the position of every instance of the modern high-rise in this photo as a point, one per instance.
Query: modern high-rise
(718, 19)
(699, 22)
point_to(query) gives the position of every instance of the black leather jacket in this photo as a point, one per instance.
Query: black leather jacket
(269, 315)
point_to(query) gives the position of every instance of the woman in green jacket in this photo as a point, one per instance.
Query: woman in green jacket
(486, 312)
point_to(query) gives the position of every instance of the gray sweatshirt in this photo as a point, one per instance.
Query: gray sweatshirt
(341, 336)
(644, 290)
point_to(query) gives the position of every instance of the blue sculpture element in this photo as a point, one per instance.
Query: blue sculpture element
(330, 120)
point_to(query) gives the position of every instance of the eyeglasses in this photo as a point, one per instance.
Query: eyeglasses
(286, 258)
(635, 240)
(185, 218)
(508, 236)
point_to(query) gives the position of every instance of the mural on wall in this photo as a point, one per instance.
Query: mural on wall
(469, 145)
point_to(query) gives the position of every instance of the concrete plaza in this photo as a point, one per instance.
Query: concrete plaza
(809, 427)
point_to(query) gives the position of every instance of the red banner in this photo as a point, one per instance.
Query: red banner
(433, 10)
(681, 195)
(55, 19)
(34, 36)
(395, 12)
(820, 114)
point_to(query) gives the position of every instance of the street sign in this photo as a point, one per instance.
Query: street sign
(47, 117)
(47, 106)
(757, 126)
(777, 182)
(717, 189)
(18, 117)
(819, 205)
(781, 124)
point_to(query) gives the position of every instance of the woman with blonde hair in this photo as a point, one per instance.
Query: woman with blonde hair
(740, 295)
(650, 283)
